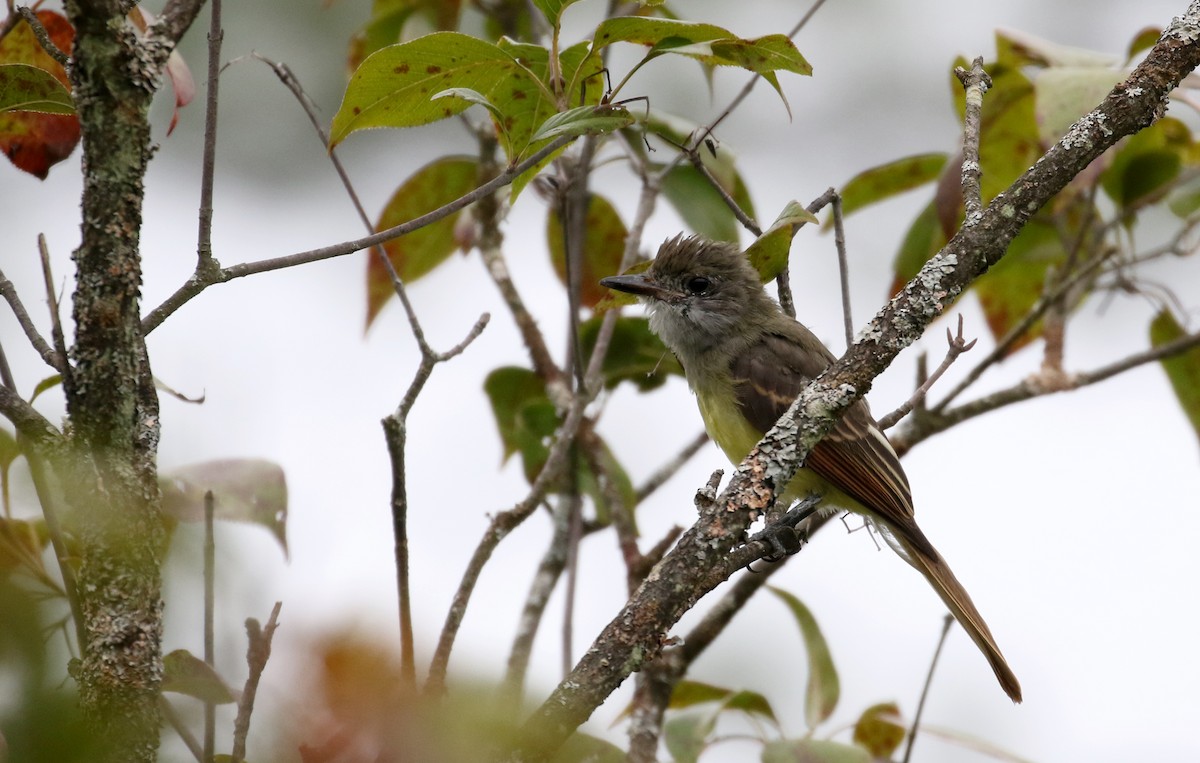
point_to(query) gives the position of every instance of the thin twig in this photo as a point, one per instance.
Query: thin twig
(957, 346)
(56, 329)
(947, 621)
(975, 82)
(544, 580)
(574, 506)
(258, 651)
(181, 729)
(210, 709)
(1036, 386)
(216, 34)
(9, 292)
(668, 470)
(43, 37)
(839, 244)
(199, 282)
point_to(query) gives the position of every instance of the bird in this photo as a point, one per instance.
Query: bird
(746, 361)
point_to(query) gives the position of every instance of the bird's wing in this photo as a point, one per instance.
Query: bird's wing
(855, 456)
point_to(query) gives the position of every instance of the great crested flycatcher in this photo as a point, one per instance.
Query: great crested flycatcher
(747, 361)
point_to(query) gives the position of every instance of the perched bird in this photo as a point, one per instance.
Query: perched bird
(746, 361)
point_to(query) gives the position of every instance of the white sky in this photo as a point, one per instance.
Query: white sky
(1070, 519)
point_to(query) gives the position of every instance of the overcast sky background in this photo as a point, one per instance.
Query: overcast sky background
(1072, 519)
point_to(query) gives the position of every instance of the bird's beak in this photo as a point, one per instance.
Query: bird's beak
(636, 283)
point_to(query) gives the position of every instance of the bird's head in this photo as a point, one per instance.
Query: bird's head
(698, 292)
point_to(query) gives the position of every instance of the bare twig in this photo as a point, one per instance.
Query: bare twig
(1035, 386)
(9, 292)
(210, 658)
(56, 329)
(839, 243)
(668, 470)
(216, 34)
(976, 82)
(957, 346)
(200, 281)
(43, 37)
(258, 651)
(544, 580)
(176, 17)
(947, 621)
(181, 729)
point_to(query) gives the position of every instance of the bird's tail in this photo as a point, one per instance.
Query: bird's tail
(929, 563)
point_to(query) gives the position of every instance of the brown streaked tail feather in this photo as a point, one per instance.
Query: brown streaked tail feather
(952, 593)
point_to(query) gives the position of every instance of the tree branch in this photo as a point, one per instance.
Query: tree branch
(707, 553)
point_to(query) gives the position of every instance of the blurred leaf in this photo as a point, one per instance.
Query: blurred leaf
(1143, 40)
(22, 543)
(9, 450)
(1184, 199)
(812, 751)
(415, 254)
(1014, 285)
(686, 734)
(184, 673)
(1065, 93)
(688, 693)
(769, 252)
(1017, 49)
(1146, 162)
(635, 353)
(28, 88)
(1183, 370)
(582, 748)
(604, 246)
(922, 240)
(35, 142)
(50, 382)
(244, 490)
(821, 694)
(887, 180)
(880, 730)
(1009, 142)
(701, 206)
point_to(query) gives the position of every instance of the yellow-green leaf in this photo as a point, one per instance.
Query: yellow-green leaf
(880, 730)
(887, 180)
(184, 673)
(1183, 370)
(415, 254)
(769, 252)
(823, 689)
(635, 353)
(28, 88)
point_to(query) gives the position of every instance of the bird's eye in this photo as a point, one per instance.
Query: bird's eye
(697, 285)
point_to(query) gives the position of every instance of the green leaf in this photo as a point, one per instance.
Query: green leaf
(922, 240)
(1183, 370)
(686, 734)
(50, 382)
(880, 730)
(1009, 141)
(821, 694)
(1147, 162)
(652, 31)
(1143, 40)
(184, 673)
(393, 86)
(21, 543)
(582, 748)
(689, 693)
(244, 490)
(604, 246)
(812, 751)
(701, 206)
(635, 353)
(582, 120)
(887, 180)
(9, 450)
(28, 88)
(1184, 199)
(553, 9)
(524, 415)
(1014, 285)
(415, 254)
(769, 252)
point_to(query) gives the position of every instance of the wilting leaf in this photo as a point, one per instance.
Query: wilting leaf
(604, 245)
(880, 730)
